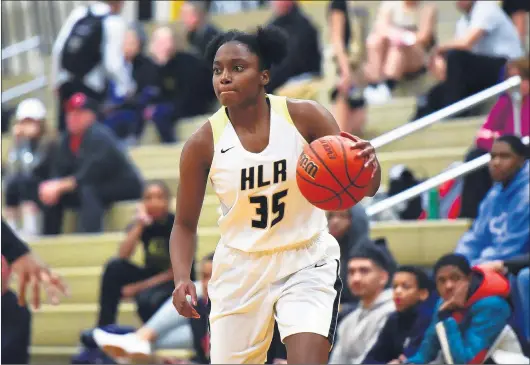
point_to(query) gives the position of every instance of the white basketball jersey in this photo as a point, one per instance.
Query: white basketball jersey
(262, 207)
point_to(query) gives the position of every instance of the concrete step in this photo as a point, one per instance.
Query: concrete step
(52, 355)
(415, 243)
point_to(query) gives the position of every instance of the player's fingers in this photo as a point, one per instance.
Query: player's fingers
(185, 309)
(349, 136)
(35, 286)
(22, 284)
(58, 284)
(193, 293)
(370, 160)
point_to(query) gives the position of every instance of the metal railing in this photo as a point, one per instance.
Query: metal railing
(448, 111)
(431, 183)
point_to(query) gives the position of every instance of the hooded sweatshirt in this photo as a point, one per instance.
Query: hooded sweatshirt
(501, 230)
(359, 330)
(472, 330)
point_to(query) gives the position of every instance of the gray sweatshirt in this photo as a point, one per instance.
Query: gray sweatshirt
(360, 329)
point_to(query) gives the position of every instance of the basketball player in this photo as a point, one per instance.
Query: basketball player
(275, 259)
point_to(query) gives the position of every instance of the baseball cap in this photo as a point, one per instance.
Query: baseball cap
(81, 101)
(31, 109)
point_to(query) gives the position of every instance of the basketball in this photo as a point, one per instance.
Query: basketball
(330, 175)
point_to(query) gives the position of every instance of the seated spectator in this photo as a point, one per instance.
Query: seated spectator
(166, 329)
(350, 227)
(29, 163)
(404, 329)
(124, 114)
(184, 84)
(501, 229)
(90, 172)
(519, 267)
(16, 324)
(347, 97)
(485, 39)
(297, 76)
(200, 31)
(500, 122)
(404, 33)
(473, 311)
(152, 284)
(358, 331)
(518, 11)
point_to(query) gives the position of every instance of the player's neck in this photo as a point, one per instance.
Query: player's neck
(248, 116)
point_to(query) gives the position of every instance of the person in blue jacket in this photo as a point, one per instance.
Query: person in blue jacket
(404, 329)
(501, 230)
(474, 309)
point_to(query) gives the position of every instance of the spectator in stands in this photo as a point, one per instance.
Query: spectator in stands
(184, 83)
(16, 324)
(30, 162)
(500, 122)
(485, 39)
(519, 267)
(88, 51)
(124, 114)
(358, 331)
(403, 34)
(473, 311)
(150, 285)
(166, 329)
(404, 329)
(298, 75)
(90, 172)
(518, 11)
(349, 104)
(350, 227)
(501, 229)
(200, 31)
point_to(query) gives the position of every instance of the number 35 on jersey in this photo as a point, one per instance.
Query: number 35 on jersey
(270, 210)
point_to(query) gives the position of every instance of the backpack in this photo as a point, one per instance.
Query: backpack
(82, 49)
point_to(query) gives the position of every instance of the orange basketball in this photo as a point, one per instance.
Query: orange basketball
(330, 175)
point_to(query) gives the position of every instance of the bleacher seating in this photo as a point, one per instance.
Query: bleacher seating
(79, 258)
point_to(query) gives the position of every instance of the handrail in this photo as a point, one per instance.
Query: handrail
(25, 88)
(448, 111)
(433, 182)
(20, 47)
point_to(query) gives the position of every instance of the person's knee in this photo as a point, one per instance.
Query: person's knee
(456, 56)
(115, 265)
(375, 42)
(523, 278)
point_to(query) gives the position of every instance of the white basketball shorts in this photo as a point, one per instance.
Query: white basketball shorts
(298, 288)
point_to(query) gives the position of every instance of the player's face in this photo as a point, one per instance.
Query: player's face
(237, 78)
(365, 278)
(406, 291)
(448, 279)
(338, 223)
(504, 163)
(156, 201)
(77, 120)
(206, 274)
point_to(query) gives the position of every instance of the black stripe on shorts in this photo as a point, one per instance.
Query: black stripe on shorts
(333, 325)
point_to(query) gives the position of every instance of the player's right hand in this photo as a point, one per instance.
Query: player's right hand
(183, 288)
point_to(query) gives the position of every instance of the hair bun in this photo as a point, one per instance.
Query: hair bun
(272, 43)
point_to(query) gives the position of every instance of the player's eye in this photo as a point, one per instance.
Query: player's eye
(216, 71)
(238, 68)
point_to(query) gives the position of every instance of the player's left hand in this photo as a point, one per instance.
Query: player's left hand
(130, 290)
(367, 150)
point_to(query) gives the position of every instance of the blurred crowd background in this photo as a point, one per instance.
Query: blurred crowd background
(98, 98)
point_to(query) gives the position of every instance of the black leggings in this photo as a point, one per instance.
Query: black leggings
(476, 186)
(16, 331)
(118, 273)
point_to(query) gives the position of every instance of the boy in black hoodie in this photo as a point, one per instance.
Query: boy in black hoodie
(404, 329)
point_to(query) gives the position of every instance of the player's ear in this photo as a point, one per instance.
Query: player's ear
(265, 77)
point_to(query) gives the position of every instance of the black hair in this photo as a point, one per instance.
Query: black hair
(453, 259)
(421, 277)
(161, 184)
(208, 257)
(269, 44)
(368, 250)
(516, 144)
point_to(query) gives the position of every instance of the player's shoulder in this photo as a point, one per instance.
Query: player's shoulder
(307, 114)
(200, 144)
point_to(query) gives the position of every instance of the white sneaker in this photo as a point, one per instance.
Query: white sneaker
(121, 347)
(383, 94)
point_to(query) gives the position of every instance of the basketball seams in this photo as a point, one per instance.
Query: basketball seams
(330, 172)
(337, 195)
(351, 182)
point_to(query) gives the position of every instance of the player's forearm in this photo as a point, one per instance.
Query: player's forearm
(376, 181)
(182, 250)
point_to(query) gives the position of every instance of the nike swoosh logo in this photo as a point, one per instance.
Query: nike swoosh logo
(228, 149)
(322, 264)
